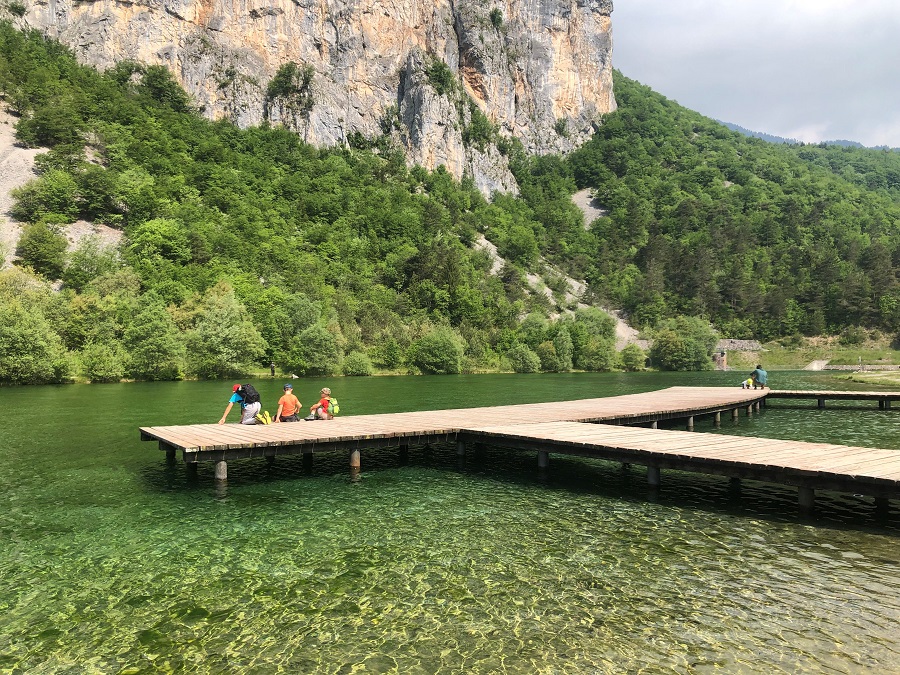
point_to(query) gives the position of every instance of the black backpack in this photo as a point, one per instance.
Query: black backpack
(248, 391)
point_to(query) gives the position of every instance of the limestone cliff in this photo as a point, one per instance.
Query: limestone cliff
(429, 73)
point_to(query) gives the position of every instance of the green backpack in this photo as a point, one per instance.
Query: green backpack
(333, 407)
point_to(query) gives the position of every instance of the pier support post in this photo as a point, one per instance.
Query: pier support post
(750, 410)
(734, 414)
(404, 453)
(653, 478)
(690, 423)
(543, 459)
(820, 402)
(887, 404)
(221, 470)
(307, 461)
(807, 497)
(882, 505)
(654, 424)
(758, 406)
(170, 455)
(717, 420)
(354, 465)
(460, 448)
(192, 470)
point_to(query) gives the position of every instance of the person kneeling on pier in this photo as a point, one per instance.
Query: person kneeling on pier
(760, 378)
(248, 397)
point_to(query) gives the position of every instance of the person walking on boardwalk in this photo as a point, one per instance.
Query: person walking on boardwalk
(760, 378)
(321, 409)
(288, 406)
(248, 397)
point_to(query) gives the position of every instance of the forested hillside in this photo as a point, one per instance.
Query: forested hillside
(764, 240)
(245, 246)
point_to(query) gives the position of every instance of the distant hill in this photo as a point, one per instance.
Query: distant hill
(771, 138)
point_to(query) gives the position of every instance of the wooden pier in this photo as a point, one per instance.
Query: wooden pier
(603, 428)
(884, 398)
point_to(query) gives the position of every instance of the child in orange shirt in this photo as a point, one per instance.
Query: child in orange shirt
(288, 406)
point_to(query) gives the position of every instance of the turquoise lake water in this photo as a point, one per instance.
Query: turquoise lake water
(113, 562)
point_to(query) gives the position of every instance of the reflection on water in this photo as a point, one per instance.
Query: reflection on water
(114, 561)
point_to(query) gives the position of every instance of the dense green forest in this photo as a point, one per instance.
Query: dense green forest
(764, 240)
(245, 246)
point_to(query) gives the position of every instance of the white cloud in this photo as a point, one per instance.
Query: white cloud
(779, 66)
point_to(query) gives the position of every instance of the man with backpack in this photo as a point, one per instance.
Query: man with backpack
(248, 397)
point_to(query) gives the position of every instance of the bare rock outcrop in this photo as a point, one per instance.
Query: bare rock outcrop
(538, 71)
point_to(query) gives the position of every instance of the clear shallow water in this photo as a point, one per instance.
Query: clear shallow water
(111, 561)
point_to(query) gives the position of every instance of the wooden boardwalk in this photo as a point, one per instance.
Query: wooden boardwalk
(560, 427)
(884, 398)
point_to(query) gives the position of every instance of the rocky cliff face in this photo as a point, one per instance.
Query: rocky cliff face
(448, 79)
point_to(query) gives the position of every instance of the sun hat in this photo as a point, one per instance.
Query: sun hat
(236, 387)
(326, 390)
(288, 386)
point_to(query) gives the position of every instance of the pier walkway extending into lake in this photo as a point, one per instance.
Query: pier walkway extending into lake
(590, 427)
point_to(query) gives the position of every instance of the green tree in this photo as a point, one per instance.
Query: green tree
(523, 360)
(52, 196)
(103, 362)
(315, 352)
(42, 247)
(358, 363)
(30, 351)
(223, 342)
(546, 352)
(683, 343)
(155, 346)
(633, 358)
(89, 260)
(438, 352)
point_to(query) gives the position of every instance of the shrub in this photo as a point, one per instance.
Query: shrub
(155, 346)
(357, 363)
(440, 352)
(42, 247)
(101, 362)
(598, 355)
(523, 360)
(547, 354)
(633, 358)
(496, 18)
(223, 341)
(316, 353)
(440, 77)
(562, 344)
(30, 352)
(683, 343)
(53, 193)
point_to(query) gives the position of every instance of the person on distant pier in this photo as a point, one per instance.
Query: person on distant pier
(321, 410)
(760, 378)
(244, 395)
(288, 406)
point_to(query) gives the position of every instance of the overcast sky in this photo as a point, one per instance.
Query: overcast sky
(808, 69)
